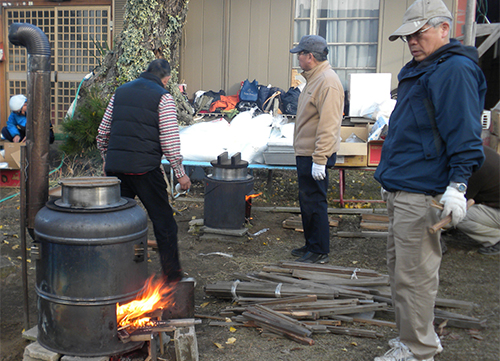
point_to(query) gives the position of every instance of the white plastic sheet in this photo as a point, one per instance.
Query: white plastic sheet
(245, 134)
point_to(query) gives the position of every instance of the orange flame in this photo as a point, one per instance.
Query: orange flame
(156, 295)
(250, 196)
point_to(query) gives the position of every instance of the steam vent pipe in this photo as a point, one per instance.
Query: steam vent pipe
(38, 115)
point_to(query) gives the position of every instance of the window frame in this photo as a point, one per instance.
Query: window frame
(313, 29)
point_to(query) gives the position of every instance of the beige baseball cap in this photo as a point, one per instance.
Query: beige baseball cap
(418, 14)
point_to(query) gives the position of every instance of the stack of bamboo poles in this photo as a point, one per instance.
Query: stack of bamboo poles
(296, 300)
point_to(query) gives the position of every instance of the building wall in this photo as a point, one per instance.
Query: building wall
(228, 41)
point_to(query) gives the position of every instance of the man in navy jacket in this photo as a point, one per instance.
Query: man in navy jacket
(432, 147)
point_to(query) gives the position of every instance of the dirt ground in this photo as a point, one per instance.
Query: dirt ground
(465, 275)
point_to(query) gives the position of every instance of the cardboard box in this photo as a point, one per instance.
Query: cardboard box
(353, 154)
(374, 152)
(12, 154)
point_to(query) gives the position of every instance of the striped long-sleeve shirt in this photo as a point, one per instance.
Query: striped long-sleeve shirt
(169, 133)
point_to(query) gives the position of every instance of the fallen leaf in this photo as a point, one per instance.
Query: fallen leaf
(218, 345)
(354, 262)
(344, 349)
(6, 242)
(15, 247)
(228, 319)
(230, 341)
(232, 329)
(354, 344)
(441, 327)
(204, 304)
(19, 257)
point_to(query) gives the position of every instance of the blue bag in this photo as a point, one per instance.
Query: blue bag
(249, 92)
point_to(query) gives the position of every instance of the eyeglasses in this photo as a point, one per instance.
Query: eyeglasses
(302, 53)
(417, 35)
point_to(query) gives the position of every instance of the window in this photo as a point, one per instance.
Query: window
(77, 36)
(350, 28)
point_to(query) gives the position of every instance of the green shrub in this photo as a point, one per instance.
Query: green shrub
(81, 130)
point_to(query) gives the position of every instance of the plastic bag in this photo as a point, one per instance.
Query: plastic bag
(353, 138)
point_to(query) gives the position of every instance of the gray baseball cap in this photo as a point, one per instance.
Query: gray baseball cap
(310, 43)
(418, 14)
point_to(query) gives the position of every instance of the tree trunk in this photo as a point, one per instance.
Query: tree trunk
(152, 29)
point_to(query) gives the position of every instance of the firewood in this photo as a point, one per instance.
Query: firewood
(375, 218)
(354, 332)
(374, 226)
(328, 278)
(375, 322)
(353, 309)
(329, 269)
(323, 322)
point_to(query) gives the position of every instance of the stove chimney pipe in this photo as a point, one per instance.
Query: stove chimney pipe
(38, 116)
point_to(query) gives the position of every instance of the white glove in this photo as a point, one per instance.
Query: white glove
(384, 194)
(318, 171)
(455, 204)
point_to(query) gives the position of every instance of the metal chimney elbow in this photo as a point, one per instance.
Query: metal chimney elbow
(36, 43)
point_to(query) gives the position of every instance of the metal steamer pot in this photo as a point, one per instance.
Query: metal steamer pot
(225, 191)
(90, 255)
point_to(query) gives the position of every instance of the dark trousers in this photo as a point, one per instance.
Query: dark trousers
(151, 190)
(22, 132)
(314, 206)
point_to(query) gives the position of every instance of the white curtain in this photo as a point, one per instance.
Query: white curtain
(337, 29)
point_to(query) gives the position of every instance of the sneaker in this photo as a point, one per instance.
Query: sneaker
(299, 252)
(395, 342)
(400, 353)
(491, 250)
(311, 257)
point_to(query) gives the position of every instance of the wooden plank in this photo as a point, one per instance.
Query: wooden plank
(375, 322)
(375, 217)
(374, 226)
(354, 332)
(330, 279)
(363, 234)
(330, 210)
(295, 222)
(329, 268)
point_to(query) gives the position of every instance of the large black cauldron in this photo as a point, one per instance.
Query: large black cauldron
(90, 254)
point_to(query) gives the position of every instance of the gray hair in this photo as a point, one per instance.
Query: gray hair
(320, 56)
(439, 20)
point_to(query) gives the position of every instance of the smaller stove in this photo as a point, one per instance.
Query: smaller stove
(225, 192)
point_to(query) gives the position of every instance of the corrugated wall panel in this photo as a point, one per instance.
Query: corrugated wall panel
(258, 52)
(228, 41)
(239, 44)
(280, 43)
(213, 45)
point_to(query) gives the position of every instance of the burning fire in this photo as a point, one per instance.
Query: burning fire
(248, 205)
(250, 196)
(156, 295)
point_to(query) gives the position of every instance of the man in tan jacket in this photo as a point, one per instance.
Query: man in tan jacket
(316, 141)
